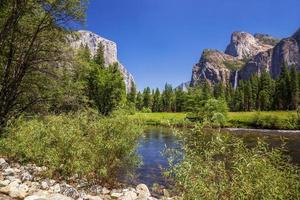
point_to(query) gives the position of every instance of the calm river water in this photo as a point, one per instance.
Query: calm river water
(156, 139)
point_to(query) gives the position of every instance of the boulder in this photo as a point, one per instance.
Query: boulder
(143, 191)
(43, 195)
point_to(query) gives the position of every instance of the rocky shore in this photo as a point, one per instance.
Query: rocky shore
(26, 183)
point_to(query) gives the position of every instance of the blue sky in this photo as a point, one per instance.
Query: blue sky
(160, 40)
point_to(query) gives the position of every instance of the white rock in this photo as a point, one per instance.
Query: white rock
(129, 195)
(89, 197)
(8, 172)
(105, 190)
(55, 188)
(116, 195)
(143, 191)
(44, 185)
(4, 183)
(42, 195)
(15, 190)
(3, 164)
(26, 176)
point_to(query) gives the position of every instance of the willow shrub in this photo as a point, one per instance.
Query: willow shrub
(83, 143)
(220, 166)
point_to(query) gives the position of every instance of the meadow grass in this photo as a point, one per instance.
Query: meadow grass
(263, 119)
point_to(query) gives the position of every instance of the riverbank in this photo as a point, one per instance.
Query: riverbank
(28, 183)
(285, 120)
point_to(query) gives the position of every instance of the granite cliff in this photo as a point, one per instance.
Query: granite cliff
(246, 55)
(92, 40)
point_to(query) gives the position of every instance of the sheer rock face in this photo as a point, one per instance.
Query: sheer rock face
(247, 55)
(92, 40)
(245, 45)
(256, 65)
(287, 51)
(212, 68)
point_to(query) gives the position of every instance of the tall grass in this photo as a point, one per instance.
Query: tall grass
(220, 166)
(84, 143)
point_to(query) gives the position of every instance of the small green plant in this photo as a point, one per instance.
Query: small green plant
(83, 143)
(213, 113)
(220, 166)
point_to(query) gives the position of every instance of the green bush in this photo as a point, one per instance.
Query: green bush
(220, 166)
(274, 122)
(83, 143)
(214, 113)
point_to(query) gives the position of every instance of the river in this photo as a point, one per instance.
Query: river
(156, 139)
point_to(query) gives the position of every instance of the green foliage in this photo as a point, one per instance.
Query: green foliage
(147, 98)
(168, 98)
(131, 96)
(146, 110)
(234, 64)
(156, 106)
(214, 112)
(83, 143)
(99, 57)
(221, 166)
(106, 88)
(33, 43)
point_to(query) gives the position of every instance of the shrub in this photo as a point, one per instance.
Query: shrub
(82, 143)
(214, 112)
(220, 166)
(146, 110)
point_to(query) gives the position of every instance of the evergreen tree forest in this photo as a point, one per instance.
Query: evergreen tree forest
(259, 93)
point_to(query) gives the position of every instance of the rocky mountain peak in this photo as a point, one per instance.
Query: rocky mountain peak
(245, 45)
(92, 40)
(297, 35)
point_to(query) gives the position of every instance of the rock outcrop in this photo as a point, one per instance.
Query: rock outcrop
(286, 52)
(245, 45)
(247, 55)
(215, 67)
(92, 40)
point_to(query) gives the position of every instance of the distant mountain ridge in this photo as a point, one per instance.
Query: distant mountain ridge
(245, 55)
(92, 40)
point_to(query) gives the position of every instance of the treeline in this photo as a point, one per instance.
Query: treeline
(258, 93)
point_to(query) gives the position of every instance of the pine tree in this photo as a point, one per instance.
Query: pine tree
(180, 98)
(219, 91)
(168, 98)
(254, 82)
(99, 56)
(106, 88)
(248, 96)
(265, 91)
(131, 96)
(139, 101)
(283, 94)
(294, 88)
(147, 98)
(206, 90)
(156, 106)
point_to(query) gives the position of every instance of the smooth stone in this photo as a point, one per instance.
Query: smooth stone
(129, 195)
(105, 190)
(4, 183)
(143, 191)
(42, 195)
(89, 197)
(116, 195)
(8, 172)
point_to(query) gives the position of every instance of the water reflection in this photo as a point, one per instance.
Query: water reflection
(157, 139)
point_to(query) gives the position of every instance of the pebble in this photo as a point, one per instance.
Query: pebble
(23, 182)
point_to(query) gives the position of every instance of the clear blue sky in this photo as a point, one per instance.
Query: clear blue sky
(160, 40)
